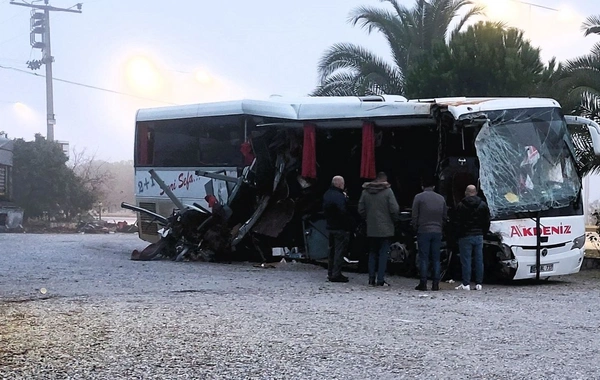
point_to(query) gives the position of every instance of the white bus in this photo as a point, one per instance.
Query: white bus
(517, 150)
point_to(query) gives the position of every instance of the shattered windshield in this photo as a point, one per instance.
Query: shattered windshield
(526, 161)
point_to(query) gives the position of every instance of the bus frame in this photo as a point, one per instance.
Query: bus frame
(529, 244)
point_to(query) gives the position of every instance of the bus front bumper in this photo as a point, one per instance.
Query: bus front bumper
(559, 264)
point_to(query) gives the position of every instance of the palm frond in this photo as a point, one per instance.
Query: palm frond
(358, 62)
(595, 49)
(398, 8)
(591, 61)
(474, 11)
(390, 25)
(591, 25)
(589, 108)
(343, 56)
(338, 84)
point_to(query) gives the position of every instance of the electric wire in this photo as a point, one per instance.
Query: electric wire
(86, 85)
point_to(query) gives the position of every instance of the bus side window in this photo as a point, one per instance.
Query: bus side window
(145, 144)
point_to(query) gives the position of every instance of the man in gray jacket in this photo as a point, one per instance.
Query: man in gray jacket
(379, 207)
(429, 212)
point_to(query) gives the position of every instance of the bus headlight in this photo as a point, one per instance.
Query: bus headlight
(579, 242)
(505, 253)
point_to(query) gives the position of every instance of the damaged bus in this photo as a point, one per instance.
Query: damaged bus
(244, 179)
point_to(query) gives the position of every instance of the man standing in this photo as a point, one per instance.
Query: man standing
(339, 225)
(428, 214)
(379, 207)
(472, 222)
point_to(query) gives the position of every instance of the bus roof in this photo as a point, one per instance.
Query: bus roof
(346, 107)
(463, 106)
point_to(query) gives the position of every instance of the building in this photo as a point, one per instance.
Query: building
(11, 216)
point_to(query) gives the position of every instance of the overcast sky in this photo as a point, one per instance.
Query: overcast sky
(191, 51)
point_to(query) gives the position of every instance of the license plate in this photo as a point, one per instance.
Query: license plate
(543, 268)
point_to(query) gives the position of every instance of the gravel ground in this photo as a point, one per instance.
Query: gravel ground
(106, 317)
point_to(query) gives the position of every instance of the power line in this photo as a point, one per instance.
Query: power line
(14, 60)
(86, 85)
(13, 38)
(10, 18)
(536, 5)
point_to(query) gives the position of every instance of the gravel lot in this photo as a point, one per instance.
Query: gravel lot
(106, 317)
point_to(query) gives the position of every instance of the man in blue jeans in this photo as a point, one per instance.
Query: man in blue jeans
(429, 212)
(472, 222)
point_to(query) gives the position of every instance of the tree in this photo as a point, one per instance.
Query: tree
(487, 59)
(42, 182)
(110, 182)
(94, 174)
(580, 80)
(348, 69)
(577, 87)
(120, 188)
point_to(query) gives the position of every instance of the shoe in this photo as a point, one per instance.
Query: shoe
(478, 287)
(372, 281)
(340, 278)
(463, 287)
(383, 283)
(435, 286)
(421, 286)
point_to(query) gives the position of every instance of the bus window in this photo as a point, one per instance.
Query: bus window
(145, 144)
(191, 142)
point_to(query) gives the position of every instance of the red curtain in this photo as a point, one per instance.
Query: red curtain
(367, 158)
(142, 145)
(309, 152)
(246, 149)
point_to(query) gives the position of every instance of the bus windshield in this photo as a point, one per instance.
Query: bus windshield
(527, 161)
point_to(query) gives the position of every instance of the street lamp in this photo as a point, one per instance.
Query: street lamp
(100, 211)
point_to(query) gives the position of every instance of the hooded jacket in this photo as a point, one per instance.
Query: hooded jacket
(472, 217)
(379, 207)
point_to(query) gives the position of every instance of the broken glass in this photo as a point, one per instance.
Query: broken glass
(526, 164)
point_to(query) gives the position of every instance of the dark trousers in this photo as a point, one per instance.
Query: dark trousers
(379, 248)
(429, 250)
(338, 246)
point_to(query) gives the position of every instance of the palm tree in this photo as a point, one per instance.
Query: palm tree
(581, 76)
(348, 69)
(578, 88)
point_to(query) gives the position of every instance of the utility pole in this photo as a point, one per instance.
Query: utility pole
(40, 25)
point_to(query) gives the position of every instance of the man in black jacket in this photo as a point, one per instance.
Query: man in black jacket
(339, 225)
(472, 222)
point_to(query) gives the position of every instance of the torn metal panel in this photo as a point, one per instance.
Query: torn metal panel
(244, 229)
(275, 218)
(526, 164)
(462, 107)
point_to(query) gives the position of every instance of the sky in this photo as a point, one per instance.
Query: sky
(152, 53)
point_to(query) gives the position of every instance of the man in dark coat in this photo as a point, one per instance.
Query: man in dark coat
(379, 207)
(339, 225)
(429, 212)
(472, 222)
